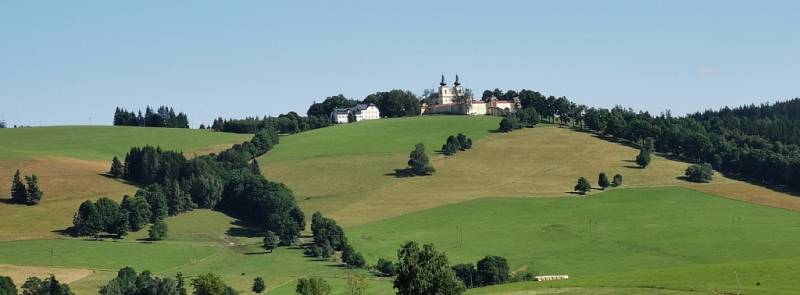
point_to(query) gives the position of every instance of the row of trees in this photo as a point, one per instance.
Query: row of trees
(162, 117)
(27, 192)
(526, 117)
(583, 186)
(456, 143)
(35, 286)
(288, 123)
(491, 270)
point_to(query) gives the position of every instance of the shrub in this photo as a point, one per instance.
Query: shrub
(699, 173)
(617, 181)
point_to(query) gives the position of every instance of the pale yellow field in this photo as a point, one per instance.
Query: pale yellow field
(66, 183)
(543, 161)
(65, 275)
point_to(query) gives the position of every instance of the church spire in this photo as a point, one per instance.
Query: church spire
(443, 83)
(457, 82)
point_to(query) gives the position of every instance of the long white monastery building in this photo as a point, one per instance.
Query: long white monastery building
(361, 112)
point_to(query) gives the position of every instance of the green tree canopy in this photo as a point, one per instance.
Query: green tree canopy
(425, 271)
(157, 231)
(7, 286)
(312, 286)
(258, 285)
(699, 173)
(583, 186)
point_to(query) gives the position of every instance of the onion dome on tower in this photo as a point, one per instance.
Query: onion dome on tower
(443, 83)
(457, 82)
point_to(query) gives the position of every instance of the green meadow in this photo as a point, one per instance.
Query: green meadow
(104, 142)
(620, 238)
(507, 196)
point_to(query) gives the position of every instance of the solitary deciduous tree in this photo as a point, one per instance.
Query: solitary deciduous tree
(312, 286)
(158, 231)
(357, 284)
(259, 285)
(583, 186)
(699, 173)
(617, 181)
(270, 241)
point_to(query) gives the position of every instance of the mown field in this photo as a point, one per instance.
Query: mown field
(343, 171)
(671, 238)
(70, 161)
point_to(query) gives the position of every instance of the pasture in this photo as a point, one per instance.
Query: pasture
(669, 237)
(344, 171)
(199, 242)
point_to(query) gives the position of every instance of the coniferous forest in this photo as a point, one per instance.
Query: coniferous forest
(162, 117)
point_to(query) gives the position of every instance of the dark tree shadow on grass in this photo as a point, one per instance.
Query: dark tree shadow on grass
(241, 229)
(6, 201)
(109, 176)
(632, 167)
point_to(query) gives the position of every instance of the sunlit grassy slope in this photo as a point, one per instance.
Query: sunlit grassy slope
(70, 161)
(344, 171)
(670, 238)
(199, 242)
(104, 142)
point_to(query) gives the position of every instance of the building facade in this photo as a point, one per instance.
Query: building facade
(452, 100)
(358, 113)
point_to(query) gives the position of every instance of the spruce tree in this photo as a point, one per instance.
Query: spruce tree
(116, 168)
(34, 193)
(19, 194)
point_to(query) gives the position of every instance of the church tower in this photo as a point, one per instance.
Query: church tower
(445, 93)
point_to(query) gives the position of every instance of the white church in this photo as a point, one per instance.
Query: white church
(452, 100)
(360, 112)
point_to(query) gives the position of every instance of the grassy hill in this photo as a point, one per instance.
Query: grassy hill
(509, 195)
(199, 242)
(342, 171)
(104, 142)
(70, 161)
(670, 238)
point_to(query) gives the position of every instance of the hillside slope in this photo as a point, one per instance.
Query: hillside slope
(345, 171)
(70, 162)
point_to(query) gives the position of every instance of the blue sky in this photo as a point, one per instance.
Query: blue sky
(72, 62)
